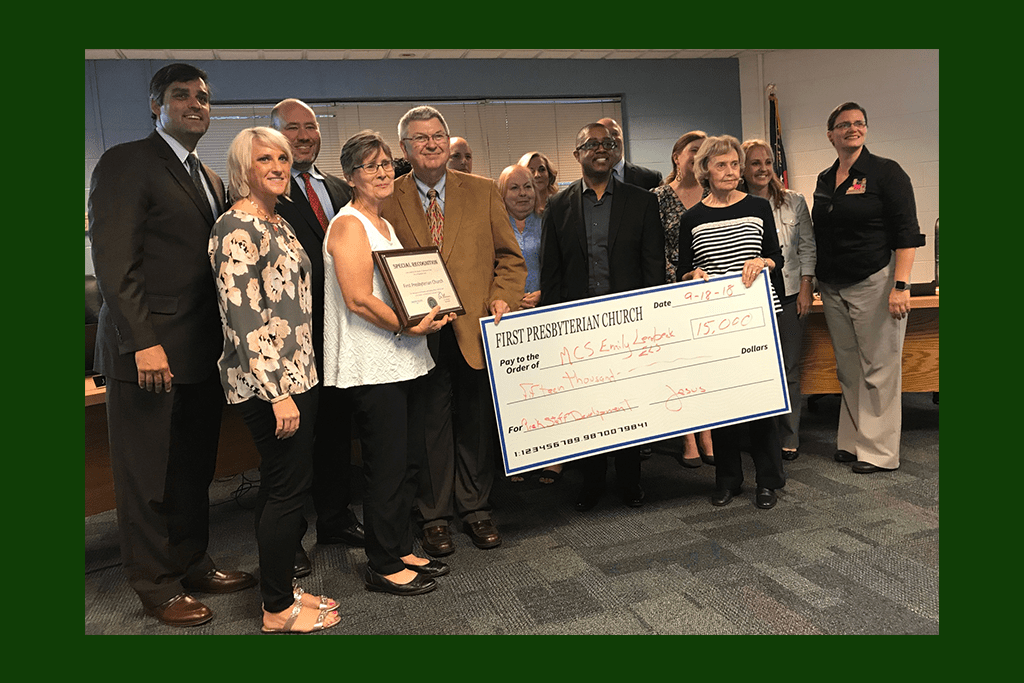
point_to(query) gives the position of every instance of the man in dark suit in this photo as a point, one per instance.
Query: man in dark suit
(601, 236)
(468, 222)
(152, 204)
(315, 198)
(623, 170)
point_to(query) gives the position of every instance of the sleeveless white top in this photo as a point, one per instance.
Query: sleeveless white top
(357, 352)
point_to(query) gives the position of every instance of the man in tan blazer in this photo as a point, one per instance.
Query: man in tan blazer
(471, 225)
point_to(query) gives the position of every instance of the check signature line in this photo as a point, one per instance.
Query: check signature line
(676, 397)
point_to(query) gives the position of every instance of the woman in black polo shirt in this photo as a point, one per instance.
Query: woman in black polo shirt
(866, 231)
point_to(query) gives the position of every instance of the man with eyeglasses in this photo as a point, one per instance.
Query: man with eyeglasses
(623, 170)
(464, 216)
(866, 232)
(315, 197)
(601, 236)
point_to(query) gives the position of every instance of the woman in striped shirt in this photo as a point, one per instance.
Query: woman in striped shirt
(729, 232)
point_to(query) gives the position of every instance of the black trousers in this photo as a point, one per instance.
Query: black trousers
(765, 448)
(627, 469)
(389, 417)
(286, 475)
(163, 452)
(459, 429)
(332, 463)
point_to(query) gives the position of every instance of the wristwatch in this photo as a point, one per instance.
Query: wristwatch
(900, 285)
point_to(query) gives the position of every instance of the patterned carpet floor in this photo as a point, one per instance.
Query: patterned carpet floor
(841, 553)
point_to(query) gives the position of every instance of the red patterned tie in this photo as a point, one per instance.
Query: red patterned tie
(314, 202)
(435, 219)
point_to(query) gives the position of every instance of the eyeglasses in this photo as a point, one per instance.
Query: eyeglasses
(419, 140)
(594, 144)
(371, 169)
(846, 125)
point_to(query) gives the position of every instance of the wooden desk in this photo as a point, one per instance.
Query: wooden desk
(236, 451)
(920, 350)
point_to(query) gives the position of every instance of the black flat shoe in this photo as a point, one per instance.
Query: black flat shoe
(862, 467)
(379, 583)
(790, 455)
(431, 569)
(589, 497)
(844, 456)
(633, 496)
(303, 567)
(765, 498)
(354, 535)
(724, 496)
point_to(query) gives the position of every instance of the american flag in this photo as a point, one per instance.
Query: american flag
(775, 140)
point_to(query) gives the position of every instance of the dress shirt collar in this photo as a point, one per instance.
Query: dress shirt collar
(313, 172)
(619, 169)
(608, 189)
(176, 147)
(424, 188)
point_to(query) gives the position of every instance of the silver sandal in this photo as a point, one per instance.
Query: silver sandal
(296, 609)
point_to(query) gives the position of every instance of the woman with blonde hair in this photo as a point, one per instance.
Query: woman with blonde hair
(544, 175)
(796, 238)
(267, 368)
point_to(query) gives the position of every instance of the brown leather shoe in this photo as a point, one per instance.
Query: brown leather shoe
(181, 610)
(221, 582)
(437, 542)
(484, 534)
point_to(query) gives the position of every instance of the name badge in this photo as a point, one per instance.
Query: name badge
(859, 186)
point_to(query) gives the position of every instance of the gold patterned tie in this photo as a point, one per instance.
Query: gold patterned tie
(435, 219)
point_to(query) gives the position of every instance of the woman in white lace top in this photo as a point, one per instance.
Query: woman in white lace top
(367, 351)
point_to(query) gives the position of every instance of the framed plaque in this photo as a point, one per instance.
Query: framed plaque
(417, 280)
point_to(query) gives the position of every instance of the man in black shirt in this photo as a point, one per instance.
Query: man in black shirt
(601, 236)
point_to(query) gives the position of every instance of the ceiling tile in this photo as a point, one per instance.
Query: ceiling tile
(144, 54)
(231, 55)
(102, 54)
(193, 55)
(325, 54)
(519, 54)
(282, 54)
(366, 54)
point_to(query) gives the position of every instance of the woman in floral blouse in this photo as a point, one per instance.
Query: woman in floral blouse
(267, 369)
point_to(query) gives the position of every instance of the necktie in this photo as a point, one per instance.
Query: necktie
(314, 201)
(193, 169)
(435, 219)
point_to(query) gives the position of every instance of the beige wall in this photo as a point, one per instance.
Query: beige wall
(900, 90)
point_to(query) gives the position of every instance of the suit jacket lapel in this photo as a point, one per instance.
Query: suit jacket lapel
(576, 216)
(618, 210)
(217, 189)
(454, 205)
(412, 207)
(177, 169)
(336, 190)
(298, 196)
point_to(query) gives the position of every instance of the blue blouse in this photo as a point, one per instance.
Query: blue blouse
(529, 244)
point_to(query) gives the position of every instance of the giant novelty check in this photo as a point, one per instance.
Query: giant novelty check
(583, 378)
